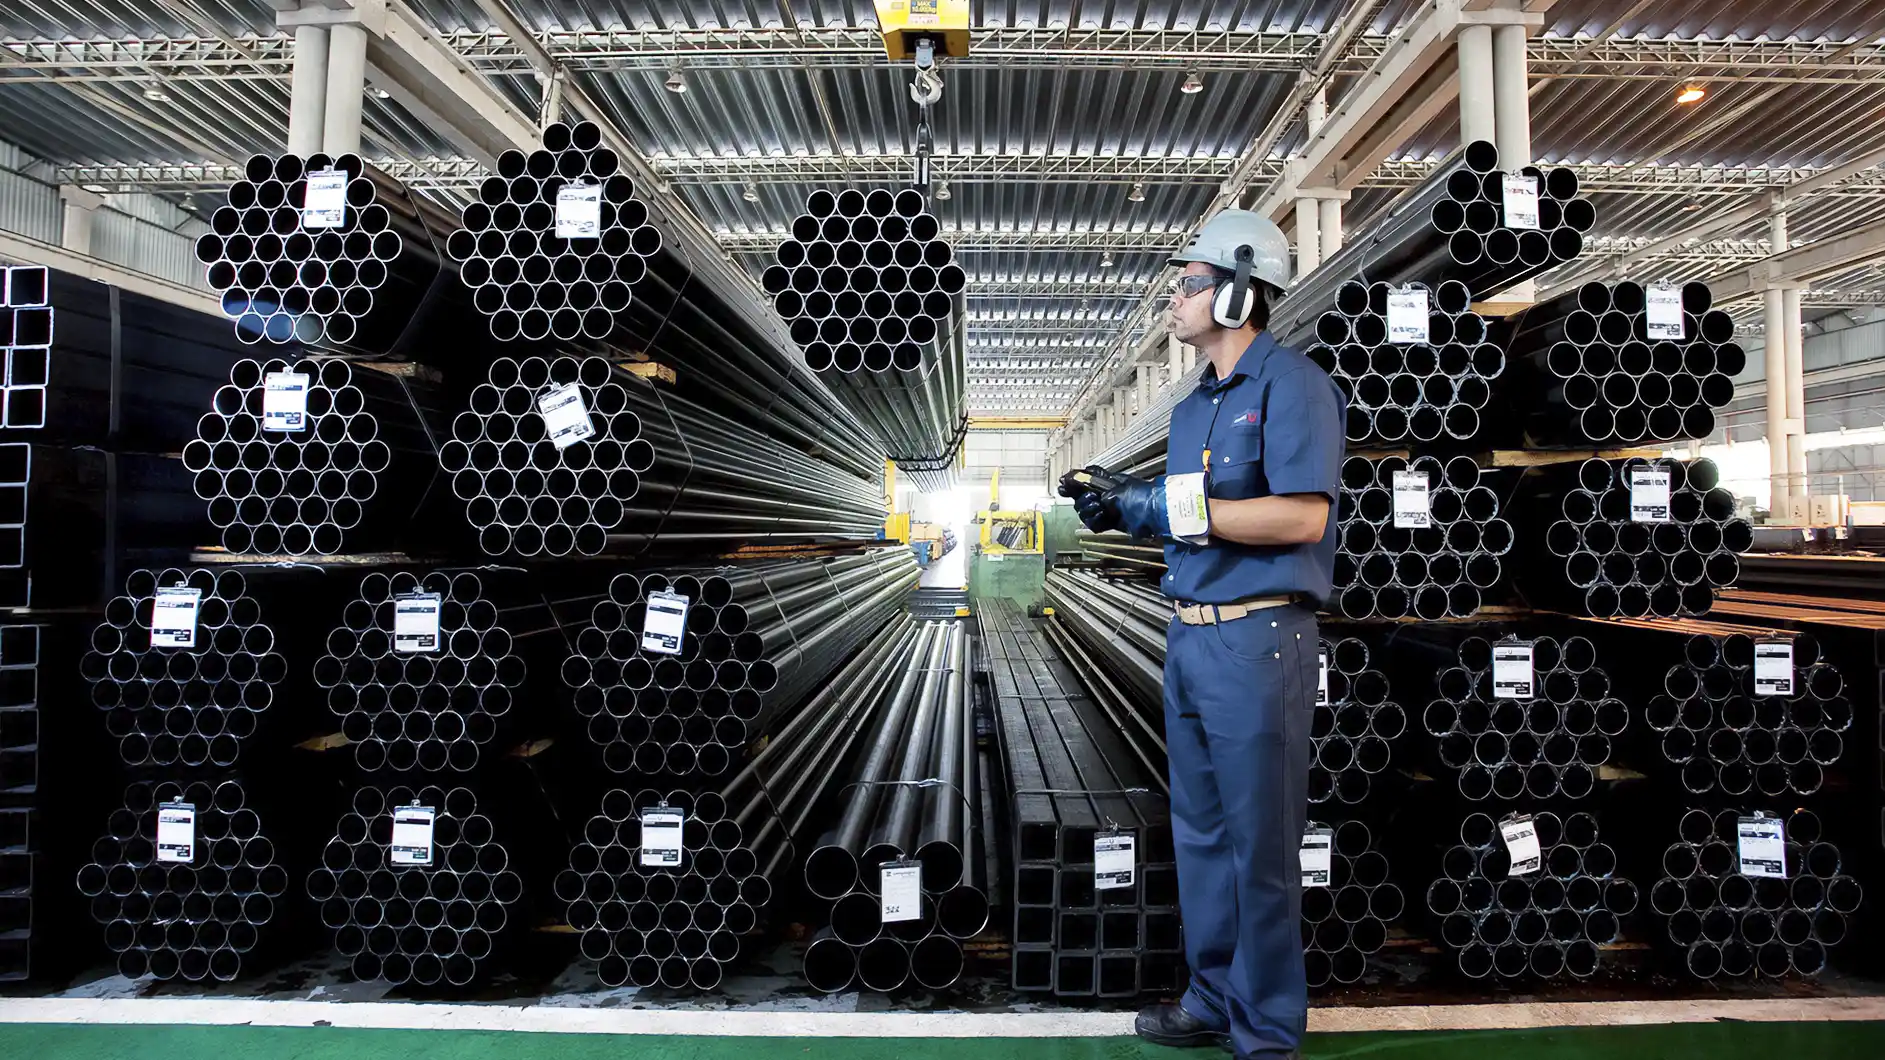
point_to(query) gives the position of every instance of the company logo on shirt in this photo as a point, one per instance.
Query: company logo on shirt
(1246, 419)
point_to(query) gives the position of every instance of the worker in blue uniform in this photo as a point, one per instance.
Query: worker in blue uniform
(1245, 509)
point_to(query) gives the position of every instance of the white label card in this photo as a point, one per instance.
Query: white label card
(1521, 842)
(661, 838)
(176, 832)
(326, 202)
(1115, 860)
(1187, 508)
(1521, 202)
(565, 416)
(1512, 670)
(412, 835)
(416, 622)
(901, 885)
(1322, 677)
(1407, 316)
(1649, 495)
(284, 401)
(1663, 319)
(1413, 501)
(664, 623)
(173, 617)
(1761, 843)
(1318, 856)
(578, 211)
(1773, 668)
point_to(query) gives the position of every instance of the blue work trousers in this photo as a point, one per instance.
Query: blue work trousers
(1238, 701)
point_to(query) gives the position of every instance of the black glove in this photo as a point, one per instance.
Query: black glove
(1112, 501)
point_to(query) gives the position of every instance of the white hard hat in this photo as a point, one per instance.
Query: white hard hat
(1218, 240)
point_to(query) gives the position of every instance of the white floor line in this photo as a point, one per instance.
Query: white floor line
(735, 1024)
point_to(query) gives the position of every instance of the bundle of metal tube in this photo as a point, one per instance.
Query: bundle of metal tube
(536, 278)
(197, 917)
(1346, 919)
(1543, 924)
(1592, 550)
(913, 799)
(305, 480)
(194, 705)
(1544, 743)
(1074, 779)
(1120, 620)
(23, 954)
(1405, 548)
(1355, 724)
(532, 487)
(1113, 547)
(404, 922)
(758, 640)
(1728, 734)
(874, 298)
(370, 282)
(1729, 922)
(1590, 372)
(1401, 390)
(92, 364)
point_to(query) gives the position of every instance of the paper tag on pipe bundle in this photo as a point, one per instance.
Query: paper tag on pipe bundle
(1512, 670)
(578, 211)
(416, 622)
(1521, 843)
(1407, 316)
(901, 888)
(565, 416)
(1521, 202)
(1413, 501)
(173, 617)
(326, 201)
(664, 623)
(1761, 845)
(1322, 677)
(1317, 856)
(176, 832)
(661, 838)
(284, 401)
(1649, 495)
(1773, 668)
(1187, 508)
(1664, 314)
(1115, 859)
(412, 835)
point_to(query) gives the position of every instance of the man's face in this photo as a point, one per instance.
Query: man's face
(1190, 314)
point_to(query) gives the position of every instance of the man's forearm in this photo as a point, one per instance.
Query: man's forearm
(1294, 519)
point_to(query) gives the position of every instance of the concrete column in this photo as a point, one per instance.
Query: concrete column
(346, 88)
(81, 208)
(1174, 360)
(1316, 111)
(1191, 357)
(1146, 388)
(1330, 226)
(1796, 391)
(1776, 361)
(307, 93)
(1512, 118)
(1308, 239)
(1476, 91)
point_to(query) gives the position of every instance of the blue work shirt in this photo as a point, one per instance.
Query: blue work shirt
(1272, 427)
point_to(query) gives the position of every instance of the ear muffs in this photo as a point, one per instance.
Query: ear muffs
(1236, 298)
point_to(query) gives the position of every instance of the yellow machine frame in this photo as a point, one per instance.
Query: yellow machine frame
(1030, 521)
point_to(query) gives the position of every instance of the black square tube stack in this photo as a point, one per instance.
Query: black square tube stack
(24, 905)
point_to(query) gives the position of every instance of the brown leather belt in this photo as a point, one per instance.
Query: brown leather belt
(1210, 614)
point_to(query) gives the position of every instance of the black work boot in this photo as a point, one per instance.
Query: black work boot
(1171, 1024)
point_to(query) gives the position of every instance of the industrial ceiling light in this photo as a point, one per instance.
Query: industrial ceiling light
(676, 83)
(751, 194)
(1106, 260)
(380, 93)
(156, 94)
(1690, 94)
(1193, 84)
(1137, 194)
(942, 189)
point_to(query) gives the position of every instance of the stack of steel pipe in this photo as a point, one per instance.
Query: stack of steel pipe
(312, 482)
(1074, 779)
(1407, 391)
(653, 470)
(1546, 923)
(533, 283)
(1115, 548)
(1355, 724)
(429, 923)
(1592, 551)
(22, 722)
(872, 295)
(1544, 743)
(195, 705)
(1122, 622)
(913, 799)
(1730, 919)
(758, 640)
(1728, 734)
(1586, 370)
(371, 283)
(1388, 565)
(195, 914)
(1346, 919)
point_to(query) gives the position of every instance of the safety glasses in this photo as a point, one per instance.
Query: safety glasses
(1186, 286)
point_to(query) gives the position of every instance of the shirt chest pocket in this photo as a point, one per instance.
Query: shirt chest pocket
(1237, 464)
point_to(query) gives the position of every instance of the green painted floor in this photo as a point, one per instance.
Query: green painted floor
(1712, 1041)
